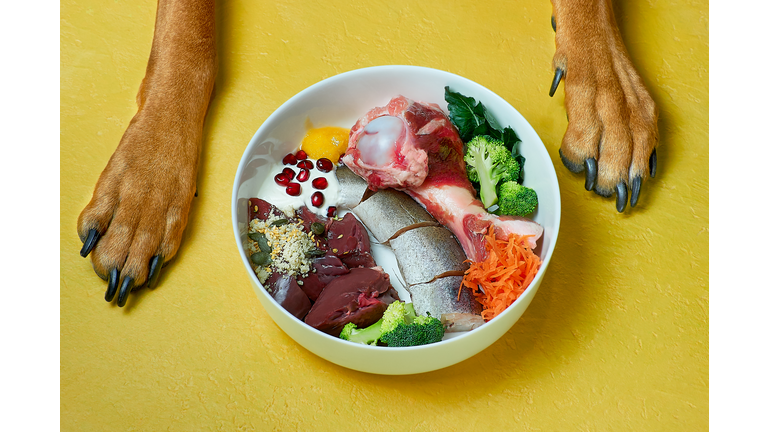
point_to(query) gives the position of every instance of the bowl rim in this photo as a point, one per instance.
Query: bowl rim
(272, 118)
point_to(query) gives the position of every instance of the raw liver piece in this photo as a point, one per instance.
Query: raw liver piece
(312, 286)
(307, 219)
(329, 267)
(326, 268)
(287, 294)
(360, 297)
(262, 211)
(349, 240)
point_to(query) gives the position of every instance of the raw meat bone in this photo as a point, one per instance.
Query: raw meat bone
(424, 158)
(466, 217)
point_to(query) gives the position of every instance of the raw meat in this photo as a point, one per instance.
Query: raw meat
(286, 292)
(348, 239)
(325, 269)
(360, 296)
(413, 147)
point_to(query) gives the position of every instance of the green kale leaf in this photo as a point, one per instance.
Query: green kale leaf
(466, 114)
(472, 118)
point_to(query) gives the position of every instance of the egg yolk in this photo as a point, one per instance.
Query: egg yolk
(326, 142)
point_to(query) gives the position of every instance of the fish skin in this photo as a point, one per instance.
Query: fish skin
(406, 226)
(388, 213)
(352, 188)
(428, 252)
(441, 296)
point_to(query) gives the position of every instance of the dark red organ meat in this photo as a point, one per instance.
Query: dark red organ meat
(360, 296)
(326, 268)
(307, 219)
(260, 209)
(348, 239)
(287, 294)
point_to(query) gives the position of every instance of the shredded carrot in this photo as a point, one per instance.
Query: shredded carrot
(504, 275)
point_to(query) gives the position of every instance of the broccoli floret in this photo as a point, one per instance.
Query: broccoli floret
(423, 330)
(516, 199)
(489, 162)
(395, 314)
(399, 326)
(366, 336)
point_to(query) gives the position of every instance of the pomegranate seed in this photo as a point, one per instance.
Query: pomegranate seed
(306, 164)
(293, 189)
(282, 179)
(301, 155)
(289, 159)
(317, 199)
(320, 183)
(331, 211)
(289, 173)
(303, 175)
(324, 165)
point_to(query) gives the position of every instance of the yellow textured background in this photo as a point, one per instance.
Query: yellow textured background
(616, 339)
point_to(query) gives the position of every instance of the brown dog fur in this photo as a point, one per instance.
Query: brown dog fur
(611, 115)
(142, 198)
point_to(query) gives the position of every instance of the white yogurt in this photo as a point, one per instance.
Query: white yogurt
(276, 195)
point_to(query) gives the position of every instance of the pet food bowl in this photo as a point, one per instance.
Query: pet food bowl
(339, 101)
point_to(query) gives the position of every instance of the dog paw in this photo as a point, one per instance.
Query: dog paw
(612, 128)
(135, 219)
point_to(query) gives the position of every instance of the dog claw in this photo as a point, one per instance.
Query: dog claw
(554, 26)
(555, 81)
(155, 264)
(125, 289)
(114, 278)
(90, 242)
(652, 163)
(621, 196)
(636, 183)
(591, 177)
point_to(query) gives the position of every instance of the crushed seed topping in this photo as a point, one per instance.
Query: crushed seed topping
(289, 245)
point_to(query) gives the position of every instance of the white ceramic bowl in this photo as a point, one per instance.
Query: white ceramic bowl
(340, 101)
